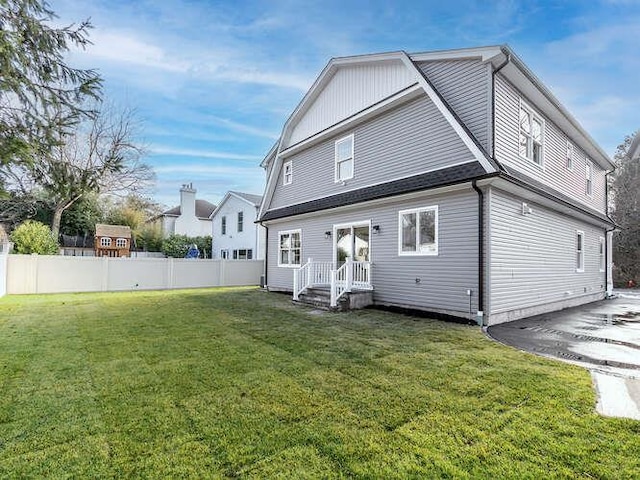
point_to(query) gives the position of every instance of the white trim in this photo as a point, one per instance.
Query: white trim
(602, 261)
(336, 226)
(375, 184)
(289, 232)
(337, 178)
(534, 115)
(288, 164)
(588, 177)
(569, 160)
(579, 263)
(483, 53)
(417, 211)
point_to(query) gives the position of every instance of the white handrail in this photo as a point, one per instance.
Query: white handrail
(349, 276)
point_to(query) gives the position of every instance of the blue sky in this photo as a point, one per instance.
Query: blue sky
(213, 82)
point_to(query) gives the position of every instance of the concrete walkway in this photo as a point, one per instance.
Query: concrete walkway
(603, 337)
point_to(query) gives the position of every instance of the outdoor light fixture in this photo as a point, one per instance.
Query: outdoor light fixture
(376, 228)
(327, 234)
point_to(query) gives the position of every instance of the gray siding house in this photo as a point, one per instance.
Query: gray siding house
(450, 181)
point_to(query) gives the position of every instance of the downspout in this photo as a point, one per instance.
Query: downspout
(607, 246)
(480, 317)
(266, 253)
(493, 103)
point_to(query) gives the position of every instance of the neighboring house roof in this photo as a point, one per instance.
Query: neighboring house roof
(120, 231)
(416, 183)
(250, 198)
(204, 210)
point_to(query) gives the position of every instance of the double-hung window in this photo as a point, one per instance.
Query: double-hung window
(531, 134)
(569, 163)
(588, 176)
(601, 259)
(579, 251)
(240, 221)
(223, 225)
(418, 231)
(289, 248)
(287, 173)
(344, 158)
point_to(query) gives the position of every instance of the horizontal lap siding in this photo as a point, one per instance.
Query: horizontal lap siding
(465, 85)
(444, 279)
(410, 139)
(533, 257)
(555, 174)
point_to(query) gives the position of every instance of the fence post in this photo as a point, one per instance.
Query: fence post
(222, 280)
(170, 272)
(333, 301)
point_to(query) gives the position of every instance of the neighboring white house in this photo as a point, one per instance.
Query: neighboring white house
(191, 217)
(235, 234)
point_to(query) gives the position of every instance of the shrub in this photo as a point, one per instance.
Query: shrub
(176, 246)
(34, 237)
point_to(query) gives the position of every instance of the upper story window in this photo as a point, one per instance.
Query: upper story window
(287, 173)
(418, 231)
(105, 241)
(588, 176)
(121, 242)
(531, 134)
(289, 248)
(579, 251)
(569, 163)
(223, 225)
(344, 158)
(240, 221)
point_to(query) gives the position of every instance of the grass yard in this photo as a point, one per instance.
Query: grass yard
(239, 383)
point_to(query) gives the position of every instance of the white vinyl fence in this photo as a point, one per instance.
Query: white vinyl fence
(56, 274)
(4, 254)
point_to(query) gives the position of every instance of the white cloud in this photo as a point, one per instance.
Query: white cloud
(185, 152)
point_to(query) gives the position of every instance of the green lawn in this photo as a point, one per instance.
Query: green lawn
(239, 383)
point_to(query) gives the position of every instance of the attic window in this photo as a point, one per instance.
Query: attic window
(531, 134)
(569, 155)
(344, 158)
(588, 175)
(287, 173)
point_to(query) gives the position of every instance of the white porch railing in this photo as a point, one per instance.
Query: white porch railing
(322, 274)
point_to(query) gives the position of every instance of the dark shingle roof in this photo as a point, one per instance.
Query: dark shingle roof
(425, 181)
(249, 197)
(204, 209)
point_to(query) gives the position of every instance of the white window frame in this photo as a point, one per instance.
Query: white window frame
(570, 154)
(242, 254)
(601, 254)
(288, 232)
(417, 211)
(105, 241)
(224, 254)
(287, 173)
(223, 225)
(240, 225)
(588, 178)
(532, 115)
(121, 242)
(350, 159)
(579, 251)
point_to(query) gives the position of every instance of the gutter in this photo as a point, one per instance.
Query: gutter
(474, 184)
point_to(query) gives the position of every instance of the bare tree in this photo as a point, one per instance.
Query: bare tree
(100, 156)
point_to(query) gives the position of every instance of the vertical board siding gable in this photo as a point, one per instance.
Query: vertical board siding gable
(411, 139)
(466, 87)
